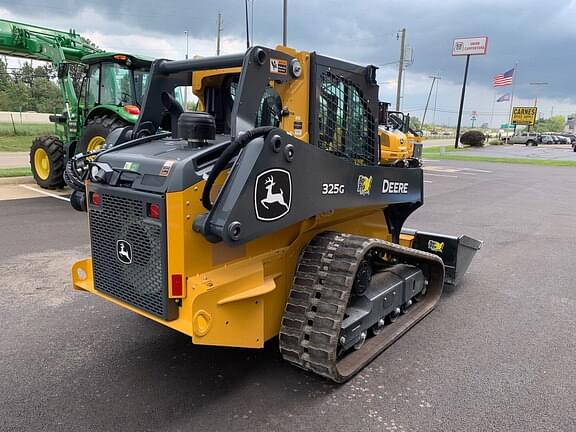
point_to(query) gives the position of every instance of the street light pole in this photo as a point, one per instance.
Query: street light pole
(285, 23)
(462, 101)
(400, 67)
(219, 34)
(536, 85)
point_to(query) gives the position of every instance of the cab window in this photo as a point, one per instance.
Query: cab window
(116, 87)
(93, 88)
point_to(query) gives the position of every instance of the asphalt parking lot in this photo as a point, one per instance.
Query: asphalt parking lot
(557, 152)
(496, 355)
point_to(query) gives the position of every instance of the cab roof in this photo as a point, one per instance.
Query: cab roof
(137, 61)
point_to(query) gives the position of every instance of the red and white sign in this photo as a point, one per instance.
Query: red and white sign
(470, 46)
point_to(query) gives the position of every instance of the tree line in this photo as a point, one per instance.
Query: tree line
(30, 88)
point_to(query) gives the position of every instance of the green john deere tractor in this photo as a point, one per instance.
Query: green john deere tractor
(110, 95)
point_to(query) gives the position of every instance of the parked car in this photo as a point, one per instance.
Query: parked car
(546, 139)
(572, 138)
(563, 139)
(527, 138)
(556, 139)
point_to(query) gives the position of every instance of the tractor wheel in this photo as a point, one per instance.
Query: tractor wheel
(96, 131)
(47, 162)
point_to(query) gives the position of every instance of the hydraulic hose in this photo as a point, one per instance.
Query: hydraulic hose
(71, 175)
(226, 156)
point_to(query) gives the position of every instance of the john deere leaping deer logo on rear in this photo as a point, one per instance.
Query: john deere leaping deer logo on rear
(272, 194)
(124, 251)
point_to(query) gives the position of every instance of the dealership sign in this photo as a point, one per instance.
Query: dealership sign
(524, 115)
(470, 46)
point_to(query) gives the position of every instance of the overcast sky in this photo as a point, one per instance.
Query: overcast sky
(538, 35)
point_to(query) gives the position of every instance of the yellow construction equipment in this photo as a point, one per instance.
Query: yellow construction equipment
(277, 210)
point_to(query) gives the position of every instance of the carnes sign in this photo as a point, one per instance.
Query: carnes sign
(524, 115)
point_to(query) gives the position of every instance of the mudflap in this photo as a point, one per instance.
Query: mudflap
(456, 252)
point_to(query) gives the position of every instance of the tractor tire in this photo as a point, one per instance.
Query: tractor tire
(47, 162)
(96, 131)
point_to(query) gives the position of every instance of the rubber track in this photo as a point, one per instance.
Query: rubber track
(319, 296)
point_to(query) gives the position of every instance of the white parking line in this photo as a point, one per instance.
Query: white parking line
(427, 181)
(440, 175)
(43, 192)
(478, 170)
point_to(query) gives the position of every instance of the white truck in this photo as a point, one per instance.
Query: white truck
(526, 138)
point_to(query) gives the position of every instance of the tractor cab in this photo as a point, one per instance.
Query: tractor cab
(114, 82)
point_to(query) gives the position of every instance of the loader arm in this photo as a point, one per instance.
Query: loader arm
(40, 43)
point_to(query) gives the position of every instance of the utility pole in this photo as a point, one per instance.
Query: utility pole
(400, 67)
(252, 21)
(285, 23)
(220, 28)
(537, 84)
(435, 103)
(247, 29)
(434, 78)
(185, 89)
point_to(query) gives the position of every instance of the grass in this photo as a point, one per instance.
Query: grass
(6, 129)
(451, 153)
(15, 172)
(22, 139)
(438, 149)
(15, 143)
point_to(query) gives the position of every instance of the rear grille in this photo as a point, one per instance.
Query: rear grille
(122, 218)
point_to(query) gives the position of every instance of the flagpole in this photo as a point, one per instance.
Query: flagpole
(493, 103)
(514, 78)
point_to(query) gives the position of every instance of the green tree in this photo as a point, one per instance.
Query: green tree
(415, 123)
(29, 89)
(553, 124)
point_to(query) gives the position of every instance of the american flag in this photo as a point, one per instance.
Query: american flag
(504, 79)
(504, 98)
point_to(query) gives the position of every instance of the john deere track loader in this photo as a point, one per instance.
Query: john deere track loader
(269, 214)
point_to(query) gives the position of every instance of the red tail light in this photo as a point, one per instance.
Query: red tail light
(153, 210)
(132, 109)
(95, 198)
(177, 289)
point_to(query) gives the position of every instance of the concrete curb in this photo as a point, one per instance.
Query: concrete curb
(16, 180)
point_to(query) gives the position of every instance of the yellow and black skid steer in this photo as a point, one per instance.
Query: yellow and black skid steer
(267, 213)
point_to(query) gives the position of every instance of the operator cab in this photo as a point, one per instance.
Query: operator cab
(114, 80)
(217, 91)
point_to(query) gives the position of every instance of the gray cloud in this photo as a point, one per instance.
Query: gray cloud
(538, 35)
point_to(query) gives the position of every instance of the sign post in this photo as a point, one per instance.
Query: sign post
(467, 47)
